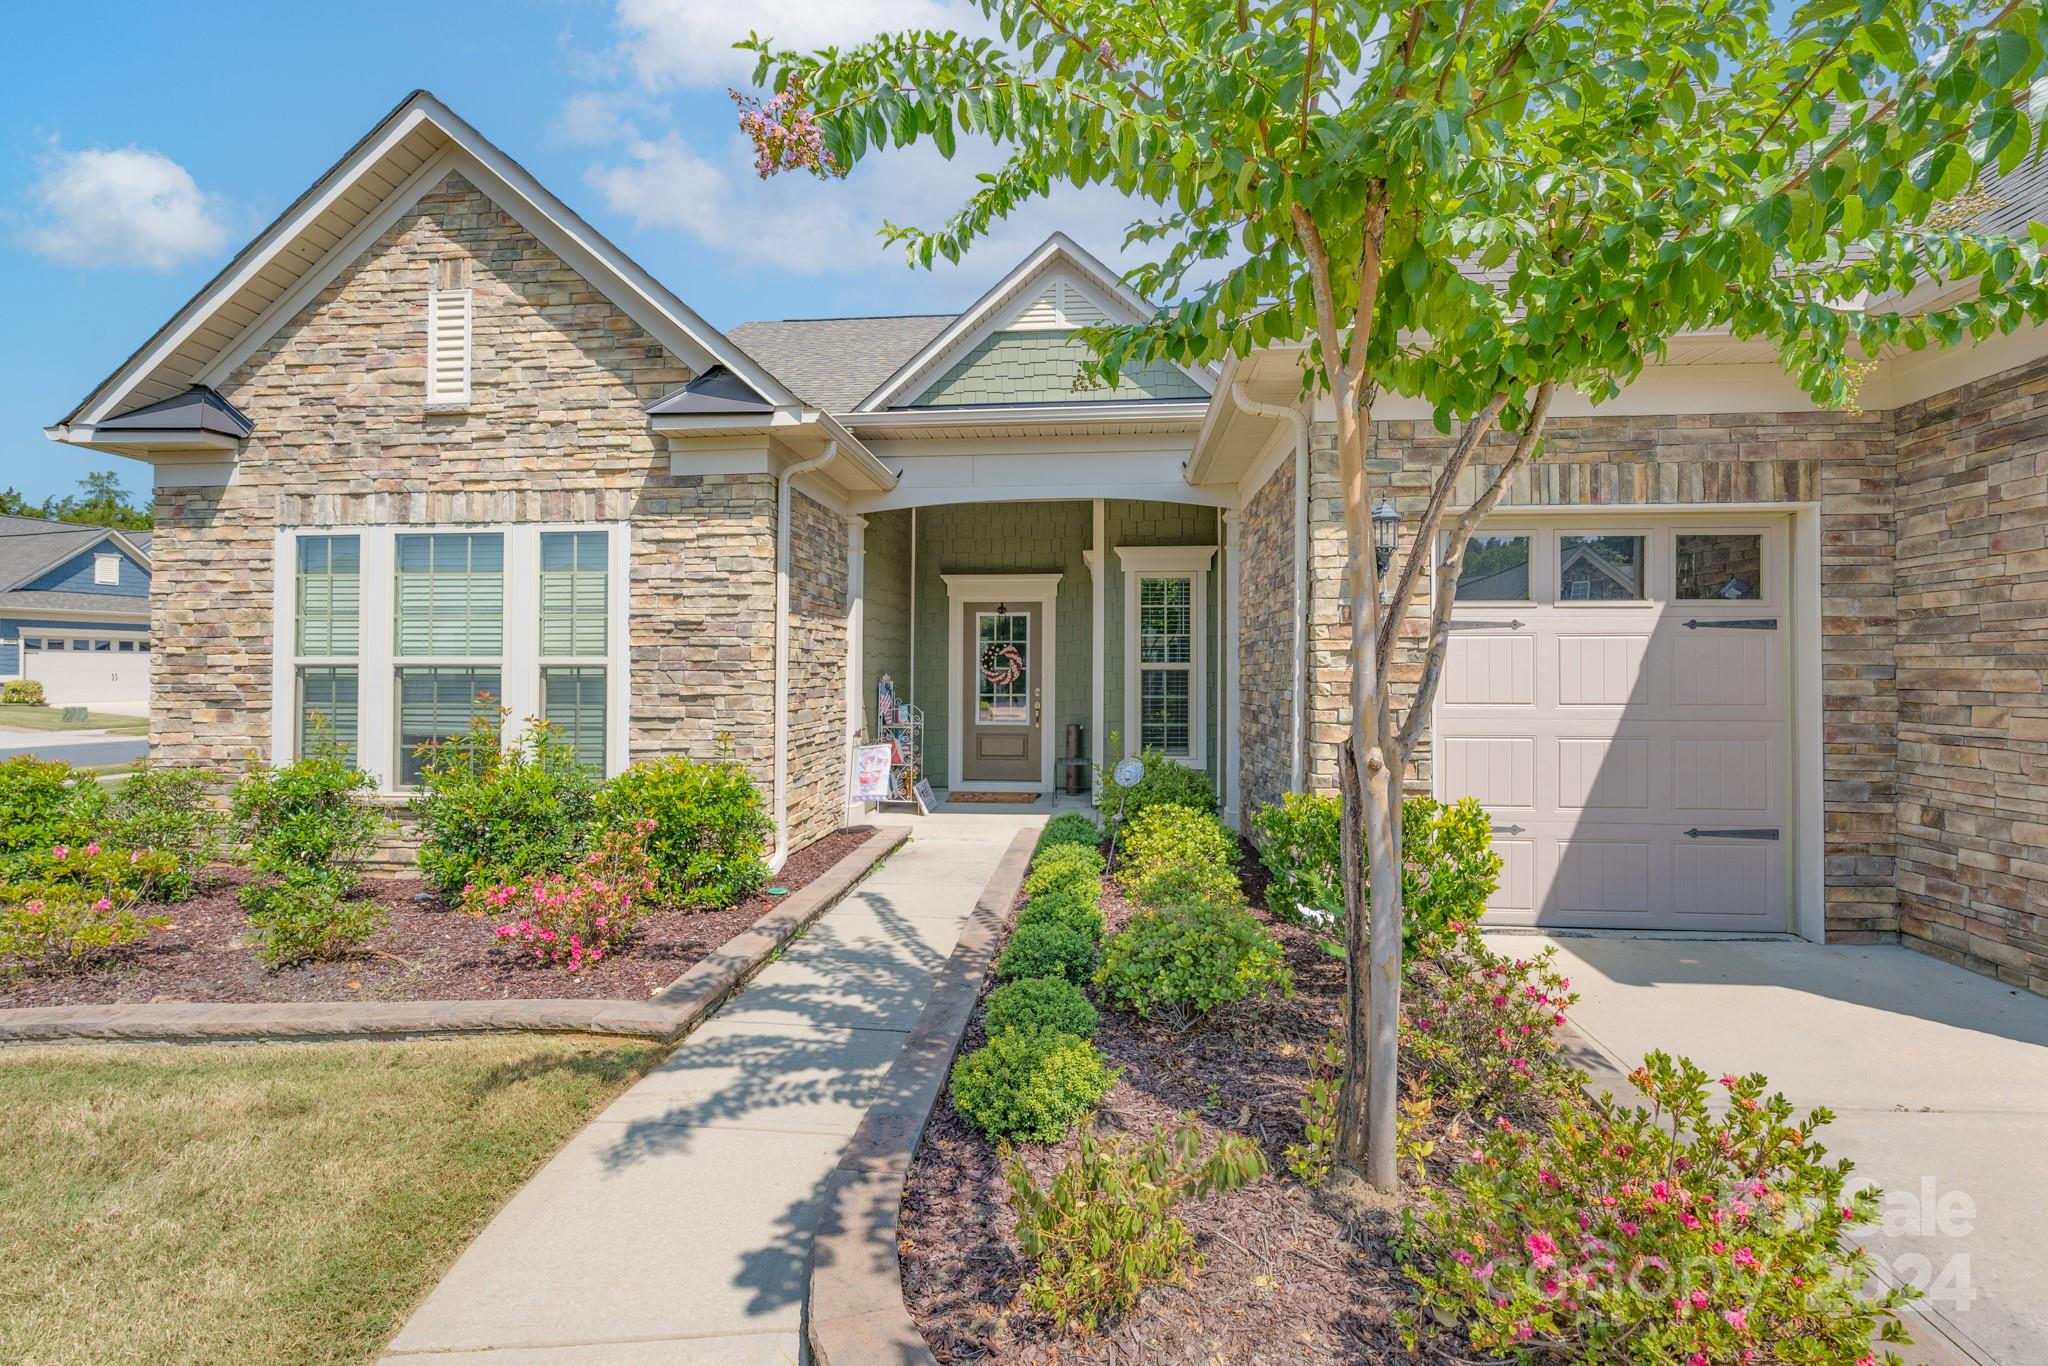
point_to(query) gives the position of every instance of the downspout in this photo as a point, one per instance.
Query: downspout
(782, 505)
(1299, 710)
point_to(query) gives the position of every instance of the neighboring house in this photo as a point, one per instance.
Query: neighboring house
(74, 611)
(431, 443)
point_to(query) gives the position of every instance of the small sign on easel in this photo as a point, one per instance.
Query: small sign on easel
(922, 790)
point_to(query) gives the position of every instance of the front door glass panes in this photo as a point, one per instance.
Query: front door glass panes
(1002, 669)
(1496, 569)
(1600, 569)
(1720, 566)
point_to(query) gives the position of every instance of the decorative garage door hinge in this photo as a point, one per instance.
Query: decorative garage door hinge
(1507, 829)
(1731, 834)
(1483, 625)
(1737, 624)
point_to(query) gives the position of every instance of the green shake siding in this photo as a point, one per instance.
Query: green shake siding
(1018, 538)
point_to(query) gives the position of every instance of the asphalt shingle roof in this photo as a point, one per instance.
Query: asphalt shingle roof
(100, 604)
(29, 545)
(837, 362)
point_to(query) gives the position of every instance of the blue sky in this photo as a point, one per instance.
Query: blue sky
(144, 144)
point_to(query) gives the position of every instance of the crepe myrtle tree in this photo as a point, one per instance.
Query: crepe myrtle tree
(1477, 203)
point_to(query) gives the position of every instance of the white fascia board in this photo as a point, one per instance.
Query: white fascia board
(1188, 412)
(142, 444)
(855, 468)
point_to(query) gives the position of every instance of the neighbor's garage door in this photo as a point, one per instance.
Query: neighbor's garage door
(80, 670)
(1615, 693)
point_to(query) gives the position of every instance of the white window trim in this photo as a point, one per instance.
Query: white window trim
(1162, 561)
(106, 568)
(376, 661)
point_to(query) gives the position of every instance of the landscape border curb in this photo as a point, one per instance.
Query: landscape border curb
(855, 1310)
(668, 1015)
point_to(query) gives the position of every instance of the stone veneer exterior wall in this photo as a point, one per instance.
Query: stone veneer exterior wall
(1973, 676)
(554, 432)
(1845, 462)
(818, 754)
(1265, 642)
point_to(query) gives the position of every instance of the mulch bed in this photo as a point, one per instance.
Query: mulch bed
(1287, 1277)
(425, 952)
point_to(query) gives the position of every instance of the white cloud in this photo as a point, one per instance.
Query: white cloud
(689, 42)
(123, 207)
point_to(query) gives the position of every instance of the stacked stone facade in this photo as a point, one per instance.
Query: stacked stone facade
(1266, 641)
(1973, 676)
(818, 755)
(554, 432)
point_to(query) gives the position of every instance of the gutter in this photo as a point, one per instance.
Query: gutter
(782, 505)
(1297, 712)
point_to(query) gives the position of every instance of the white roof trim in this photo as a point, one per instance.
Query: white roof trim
(625, 283)
(1188, 411)
(1004, 300)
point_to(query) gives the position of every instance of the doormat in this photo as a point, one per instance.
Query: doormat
(994, 798)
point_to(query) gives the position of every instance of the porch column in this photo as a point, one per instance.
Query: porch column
(856, 667)
(1228, 762)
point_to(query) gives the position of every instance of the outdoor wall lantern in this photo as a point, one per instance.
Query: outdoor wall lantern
(1386, 534)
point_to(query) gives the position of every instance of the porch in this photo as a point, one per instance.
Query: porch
(1031, 634)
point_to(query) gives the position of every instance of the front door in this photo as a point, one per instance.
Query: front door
(1002, 728)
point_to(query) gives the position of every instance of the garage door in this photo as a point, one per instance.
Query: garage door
(81, 670)
(1616, 694)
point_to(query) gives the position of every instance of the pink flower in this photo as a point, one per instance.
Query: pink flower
(1738, 1319)
(103, 904)
(92, 850)
(135, 856)
(1729, 1081)
(1699, 1299)
(60, 853)
(1541, 1249)
(1747, 1260)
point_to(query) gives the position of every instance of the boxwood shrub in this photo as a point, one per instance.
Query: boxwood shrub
(711, 833)
(1039, 1003)
(1046, 948)
(1180, 962)
(1032, 1085)
(1063, 908)
(1070, 827)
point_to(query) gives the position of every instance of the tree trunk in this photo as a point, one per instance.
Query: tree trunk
(1382, 793)
(1354, 1125)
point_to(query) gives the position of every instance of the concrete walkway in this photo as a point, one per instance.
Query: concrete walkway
(1938, 1079)
(677, 1227)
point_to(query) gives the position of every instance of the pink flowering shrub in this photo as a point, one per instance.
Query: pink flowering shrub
(574, 919)
(785, 136)
(1666, 1234)
(1481, 1029)
(79, 905)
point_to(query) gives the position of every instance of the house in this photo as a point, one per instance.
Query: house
(74, 612)
(431, 444)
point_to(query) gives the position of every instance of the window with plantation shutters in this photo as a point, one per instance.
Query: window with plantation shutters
(574, 607)
(450, 595)
(328, 638)
(448, 346)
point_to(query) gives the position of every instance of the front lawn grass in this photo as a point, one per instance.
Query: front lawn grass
(17, 716)
(265, 1204)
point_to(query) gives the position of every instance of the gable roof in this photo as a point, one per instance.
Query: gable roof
(30, 547)
(837, 362)
(1059, 254)
(328, 225)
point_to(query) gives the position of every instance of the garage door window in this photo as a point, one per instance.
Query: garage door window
(1600, 569)
(1720, 567)
(1496, 569)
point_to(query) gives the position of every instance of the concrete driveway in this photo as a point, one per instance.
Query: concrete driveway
(1938, 1079)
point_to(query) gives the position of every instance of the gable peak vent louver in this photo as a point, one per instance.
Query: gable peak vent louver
(1060, 306)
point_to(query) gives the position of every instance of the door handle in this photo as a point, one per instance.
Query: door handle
(1037, 710)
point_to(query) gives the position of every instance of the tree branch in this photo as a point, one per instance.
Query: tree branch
(1425, 531)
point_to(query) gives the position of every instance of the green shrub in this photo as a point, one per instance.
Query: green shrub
(711, 831)
(1180, 962)
(1039, 1003)
(1482, 1029)
(1167, 782)
(1182, 884)
(1046, 948)
(1312, 1158)
(1070, 827)
(1734, 1238)
(1168, 836)
(492, 813)
(62, 930)
(305, 915)
(1063, 908)
(37, 810)
(1104, 1229)
(169, 811)
(1449, 867)
(1298, 838)
(1071, 868)
(308, 829)
(1030, 1086)
(22, 692)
